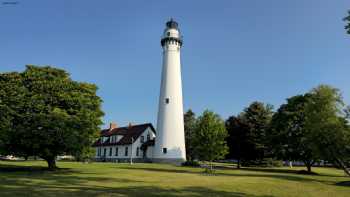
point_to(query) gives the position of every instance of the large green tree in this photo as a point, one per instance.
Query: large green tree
(288, 136)
(210, 137)
(45, 113)
(327, 125)
(190, 126)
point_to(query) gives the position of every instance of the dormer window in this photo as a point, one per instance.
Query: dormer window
(142, 139)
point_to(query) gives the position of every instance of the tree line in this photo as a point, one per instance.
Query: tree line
(309, 127)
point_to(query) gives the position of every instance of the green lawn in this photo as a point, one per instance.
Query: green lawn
(108, 179)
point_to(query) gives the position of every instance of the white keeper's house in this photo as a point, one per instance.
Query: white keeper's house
(121, 144)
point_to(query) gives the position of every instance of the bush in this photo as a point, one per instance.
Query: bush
(191, 163)
(266, 162)
(271, 162)
(209, 171)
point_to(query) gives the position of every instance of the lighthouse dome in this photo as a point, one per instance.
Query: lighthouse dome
(171, 33)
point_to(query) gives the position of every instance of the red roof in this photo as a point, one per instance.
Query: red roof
(128, 133)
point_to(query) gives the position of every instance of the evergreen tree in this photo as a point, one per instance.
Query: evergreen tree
(257, 118)
(237, 139)
(190, 125)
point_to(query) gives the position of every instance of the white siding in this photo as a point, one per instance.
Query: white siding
(121, 148)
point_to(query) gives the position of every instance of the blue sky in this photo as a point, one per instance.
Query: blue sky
(235, 51)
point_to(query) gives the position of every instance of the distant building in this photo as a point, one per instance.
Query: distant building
(120, 144)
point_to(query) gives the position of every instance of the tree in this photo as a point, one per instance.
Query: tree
(47, 113)
(209, 137)
(257, 118)
(327, 125)
(190, 125)
(288, 136)
(347, 20)
(237, 139)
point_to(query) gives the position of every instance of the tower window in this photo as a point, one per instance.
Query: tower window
(167, 100)
(164, 150)
(168, 33)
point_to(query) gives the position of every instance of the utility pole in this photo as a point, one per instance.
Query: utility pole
(132, 141)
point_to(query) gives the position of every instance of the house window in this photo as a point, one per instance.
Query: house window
(137, 151)
(148, 137)
(126, 151)
(98, 151)
(142, 139)
(167, 100)
(164, 150)
(110, 151)
(116, 151)
(104, 152)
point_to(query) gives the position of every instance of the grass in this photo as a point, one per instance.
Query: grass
(108, 179)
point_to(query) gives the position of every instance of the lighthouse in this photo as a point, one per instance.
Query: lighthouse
(170, 140)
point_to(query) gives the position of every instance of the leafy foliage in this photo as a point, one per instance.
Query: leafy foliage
(210, 135)
(327, 125)
(288, 136)
(347, 20)
(45, 113)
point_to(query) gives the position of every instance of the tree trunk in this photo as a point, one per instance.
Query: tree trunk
(238, 163)
(51, 162)
(308, 165)
(342, 165)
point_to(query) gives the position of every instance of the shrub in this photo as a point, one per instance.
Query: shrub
(191, 163)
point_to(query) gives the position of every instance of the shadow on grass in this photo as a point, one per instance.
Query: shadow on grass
(145, 191)
(273, 170)
(277, 174)
(343, 183)
(38, 181)
(33, 169)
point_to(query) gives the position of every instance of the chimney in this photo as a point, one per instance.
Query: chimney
(112, 126)
(130, 125)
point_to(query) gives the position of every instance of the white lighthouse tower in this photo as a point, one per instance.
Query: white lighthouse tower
(170, 140)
